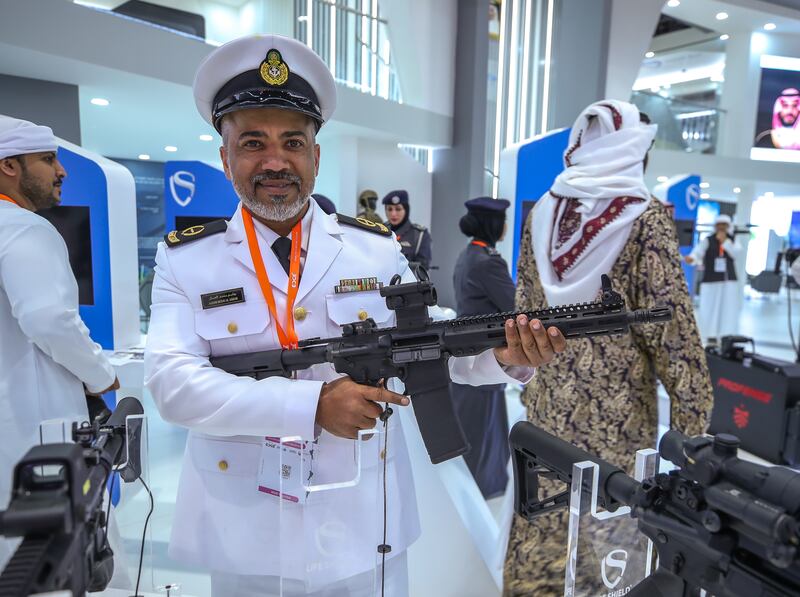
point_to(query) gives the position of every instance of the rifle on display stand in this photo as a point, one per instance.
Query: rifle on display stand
(718, 523)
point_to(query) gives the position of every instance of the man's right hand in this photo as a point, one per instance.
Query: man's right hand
(345, 407)
(114, 386)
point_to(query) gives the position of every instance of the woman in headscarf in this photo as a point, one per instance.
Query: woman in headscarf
(600, 394)
(482, 285)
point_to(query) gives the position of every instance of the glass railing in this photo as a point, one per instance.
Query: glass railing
(682, 125)
(349, 35)
(353, 41)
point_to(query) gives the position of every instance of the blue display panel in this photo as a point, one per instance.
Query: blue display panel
(794, 231)
(684, 194)
(538, 164)
(195, 192)
(85, 193)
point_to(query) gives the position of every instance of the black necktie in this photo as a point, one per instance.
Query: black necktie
(282, 247)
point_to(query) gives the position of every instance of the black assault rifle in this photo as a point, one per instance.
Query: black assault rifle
(723, 524)
(416, 350)
(57, 507)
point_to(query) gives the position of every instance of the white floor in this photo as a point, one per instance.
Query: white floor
(763, 318)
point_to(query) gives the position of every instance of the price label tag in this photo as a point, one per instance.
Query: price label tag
(282, 468)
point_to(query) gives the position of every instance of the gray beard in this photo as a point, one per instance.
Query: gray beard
(278, 210)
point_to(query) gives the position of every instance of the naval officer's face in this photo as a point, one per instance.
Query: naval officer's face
(272, 158)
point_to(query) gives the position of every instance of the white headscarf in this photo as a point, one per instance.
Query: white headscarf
(19, 137)
(604, 178)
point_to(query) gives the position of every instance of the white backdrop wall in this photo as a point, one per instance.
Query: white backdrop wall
(350, 164)
(423, 37)
(632, 25)
(383, 167)
(338, 167)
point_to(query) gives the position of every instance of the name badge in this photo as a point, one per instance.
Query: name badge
(720, 266)
(222, 298)
(285, 469)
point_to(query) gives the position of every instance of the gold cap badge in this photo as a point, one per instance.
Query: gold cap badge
(273, 69)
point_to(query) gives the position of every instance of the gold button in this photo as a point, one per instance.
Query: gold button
(300, 313)
(362, 315)
(223, 465)
(383, 454)
(232, 327)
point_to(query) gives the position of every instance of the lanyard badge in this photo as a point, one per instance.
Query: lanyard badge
(287, 336)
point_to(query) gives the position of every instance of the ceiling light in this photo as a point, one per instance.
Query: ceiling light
(724, 37)
(769, 194)
(170, 148)
(662, 179)
(737, 190)
(206, 138)
(144, 156)
(721, 16)
(674, 3)
(705, 185)
(705, 196)
(769, 27)
(99, 101)
(649, 54)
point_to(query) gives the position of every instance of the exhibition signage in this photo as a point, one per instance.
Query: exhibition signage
(196, 193)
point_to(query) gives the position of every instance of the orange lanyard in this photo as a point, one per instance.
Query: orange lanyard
(480, 243)
(9, 199)
(288, 338)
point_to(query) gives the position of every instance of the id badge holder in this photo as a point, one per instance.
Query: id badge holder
(720, 266)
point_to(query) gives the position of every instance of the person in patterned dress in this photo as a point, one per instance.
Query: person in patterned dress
(600, 394)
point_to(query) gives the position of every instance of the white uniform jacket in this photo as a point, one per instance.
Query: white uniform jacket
(46, 354)
(222, 522)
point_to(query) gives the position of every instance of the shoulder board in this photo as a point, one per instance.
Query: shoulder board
(193, 233)
(364, 224)
(419, 227)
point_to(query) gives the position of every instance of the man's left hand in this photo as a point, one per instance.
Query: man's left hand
(529, 344)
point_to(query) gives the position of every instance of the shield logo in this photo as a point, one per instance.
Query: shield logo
(182, 187)
(613, 567)
(692, 196)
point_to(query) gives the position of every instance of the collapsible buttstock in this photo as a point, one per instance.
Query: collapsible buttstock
(428, 384)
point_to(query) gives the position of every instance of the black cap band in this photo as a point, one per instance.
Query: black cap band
(248, 90)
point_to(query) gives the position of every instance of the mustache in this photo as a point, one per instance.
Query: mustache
(276, 175)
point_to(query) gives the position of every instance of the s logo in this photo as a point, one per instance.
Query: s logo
(692, 196)
(184, 181)
(615, 560)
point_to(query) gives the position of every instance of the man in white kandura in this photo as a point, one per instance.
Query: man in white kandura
(48, 362)
(719, 291)
(227, 288)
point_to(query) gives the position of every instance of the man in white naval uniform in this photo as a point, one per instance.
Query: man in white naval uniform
(227, 288)
(48, 361)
